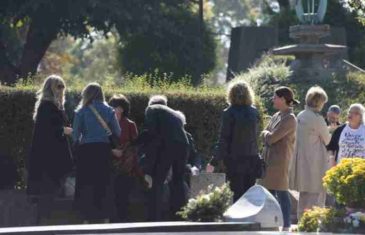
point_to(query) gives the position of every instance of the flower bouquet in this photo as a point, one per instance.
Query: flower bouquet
(209, 206)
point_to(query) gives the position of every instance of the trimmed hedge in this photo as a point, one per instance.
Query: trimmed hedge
(202, 112)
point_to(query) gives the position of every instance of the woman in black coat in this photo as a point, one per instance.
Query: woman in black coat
(50, 157)
(237, 146)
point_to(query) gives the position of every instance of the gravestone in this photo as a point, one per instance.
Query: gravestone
(201, 182)
(247, 45)
(15, 209)
(256, 205)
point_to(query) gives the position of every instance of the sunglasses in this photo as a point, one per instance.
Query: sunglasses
(60, 86)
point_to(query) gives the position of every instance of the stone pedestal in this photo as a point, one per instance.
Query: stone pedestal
(201, 182)
(313, 60)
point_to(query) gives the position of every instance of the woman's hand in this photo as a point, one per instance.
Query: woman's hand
(117, 153)
(264, 133)
(209, 168)
(67, 130)
(148, 180)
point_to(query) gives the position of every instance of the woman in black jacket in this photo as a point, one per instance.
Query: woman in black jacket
(50, 157)
(237, 145)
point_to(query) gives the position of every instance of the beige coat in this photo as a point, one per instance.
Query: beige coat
(279, 139)
(310, 161)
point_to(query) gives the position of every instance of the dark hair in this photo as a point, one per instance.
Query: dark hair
(120, 101)
(287, 94)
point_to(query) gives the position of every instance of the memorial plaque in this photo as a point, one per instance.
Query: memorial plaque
(256, 205)
(201, 182)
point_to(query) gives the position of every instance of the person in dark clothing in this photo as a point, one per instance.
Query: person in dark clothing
(166, 146)
(50, 157)
(333, 118)
(93, 194)
(237, 146)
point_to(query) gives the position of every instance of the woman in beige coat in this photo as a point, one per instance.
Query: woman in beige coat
(310, 161)
(279, 140)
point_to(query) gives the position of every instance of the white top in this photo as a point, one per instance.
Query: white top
(352, 142)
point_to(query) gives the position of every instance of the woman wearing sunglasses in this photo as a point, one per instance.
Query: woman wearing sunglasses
(50, 157)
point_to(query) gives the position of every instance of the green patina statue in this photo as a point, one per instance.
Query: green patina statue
(310, 11)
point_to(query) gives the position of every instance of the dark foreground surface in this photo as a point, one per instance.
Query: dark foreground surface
(133, 228)
(159, 228)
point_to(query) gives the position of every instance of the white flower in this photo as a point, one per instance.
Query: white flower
(355, 223)
(347, 220)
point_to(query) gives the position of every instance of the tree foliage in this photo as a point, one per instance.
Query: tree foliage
(45, 20)
(178, 45)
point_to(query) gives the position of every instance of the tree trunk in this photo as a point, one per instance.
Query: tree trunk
(39, 37)
(8, 72)
(43, 29)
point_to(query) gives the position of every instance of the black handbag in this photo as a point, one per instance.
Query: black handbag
(259, 167)
(113, 139)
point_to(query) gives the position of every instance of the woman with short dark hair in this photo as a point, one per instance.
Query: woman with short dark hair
(125, 178)
(237, 145)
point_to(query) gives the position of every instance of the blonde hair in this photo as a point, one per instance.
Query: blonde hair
(316, 97)
(360, 108)
(50, 92)
(92, 92)
(240, 93)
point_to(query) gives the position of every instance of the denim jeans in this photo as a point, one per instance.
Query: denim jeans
(284, 201)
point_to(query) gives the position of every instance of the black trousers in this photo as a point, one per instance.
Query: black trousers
(94, 193)
(173, 156)
(123, 185)
(239, 183)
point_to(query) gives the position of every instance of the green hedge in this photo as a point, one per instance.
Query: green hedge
(202, 111)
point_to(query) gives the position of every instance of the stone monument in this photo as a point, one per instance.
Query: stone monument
(256, 205)
(201, 182)
(313, 60)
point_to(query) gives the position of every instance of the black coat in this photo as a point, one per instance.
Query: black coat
(163, 127)
(237, 145)
(50, 157)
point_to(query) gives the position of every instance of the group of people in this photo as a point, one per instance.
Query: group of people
(298, 150)
(102, 133)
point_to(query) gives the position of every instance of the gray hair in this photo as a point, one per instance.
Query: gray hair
(92, 92)
(50, 92)
(157, 99)
(182, 116)
(360, 108)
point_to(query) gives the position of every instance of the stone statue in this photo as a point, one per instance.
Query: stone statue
(310, 11)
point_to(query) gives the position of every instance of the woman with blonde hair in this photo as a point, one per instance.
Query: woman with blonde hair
(237, 145)
(93, 124)
(310, 161)
(50, 157)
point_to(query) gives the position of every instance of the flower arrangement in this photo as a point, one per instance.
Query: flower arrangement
(346, 182)
(355, 221)
(209, 206)
(319, 219)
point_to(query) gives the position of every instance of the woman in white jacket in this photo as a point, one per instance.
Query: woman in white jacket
(310, 161)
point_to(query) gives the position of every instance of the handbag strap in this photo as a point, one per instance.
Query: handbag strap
(100, 120)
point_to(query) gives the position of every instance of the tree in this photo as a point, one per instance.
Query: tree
(356, 6)
(178, 46)
(45, 20)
